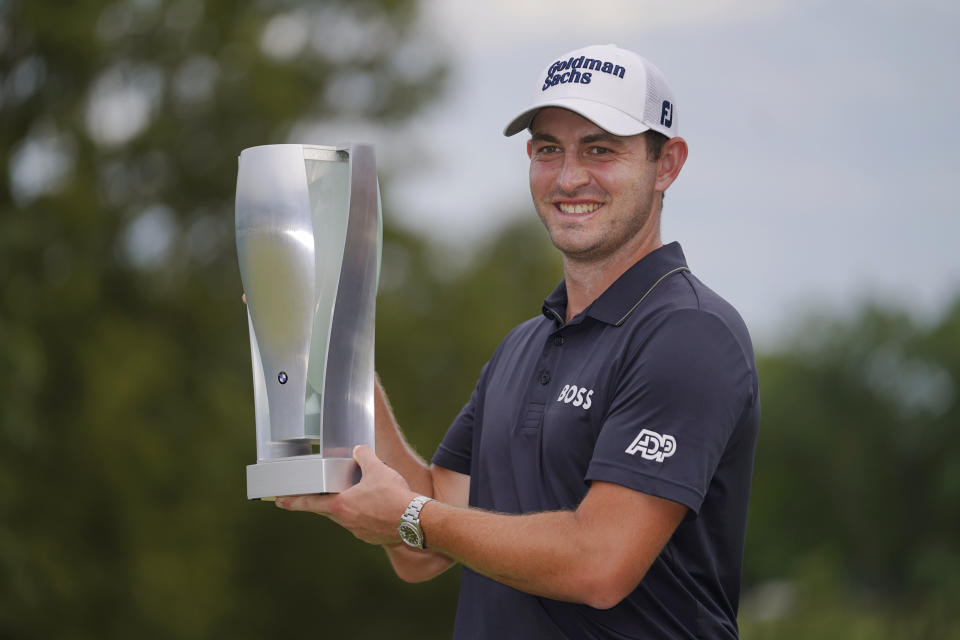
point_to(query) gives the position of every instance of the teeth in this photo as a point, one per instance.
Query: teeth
(578, 208)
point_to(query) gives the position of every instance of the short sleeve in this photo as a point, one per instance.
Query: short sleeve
(456, 449)
(675, 407)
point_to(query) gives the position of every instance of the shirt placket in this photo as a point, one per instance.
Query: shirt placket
(528, 434)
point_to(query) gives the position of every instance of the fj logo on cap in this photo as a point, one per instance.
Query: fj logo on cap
(653, 446)
(666, 114)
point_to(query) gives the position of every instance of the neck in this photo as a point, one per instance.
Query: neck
(587, 279)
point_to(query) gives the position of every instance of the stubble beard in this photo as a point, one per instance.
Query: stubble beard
(610, 238)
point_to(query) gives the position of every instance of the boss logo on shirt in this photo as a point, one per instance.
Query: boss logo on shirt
(653, 446)
(577, 396)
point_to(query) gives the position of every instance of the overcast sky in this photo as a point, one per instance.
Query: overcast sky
(823, 140)
(824, 147)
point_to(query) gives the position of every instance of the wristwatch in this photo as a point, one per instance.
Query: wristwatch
(409, 529)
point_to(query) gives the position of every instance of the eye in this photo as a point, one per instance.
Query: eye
(548, 148)
(599, 151)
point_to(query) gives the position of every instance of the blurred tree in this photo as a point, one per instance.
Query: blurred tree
(858, 470)
(437, 330)
(125, 408)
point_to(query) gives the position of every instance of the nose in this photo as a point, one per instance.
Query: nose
(573, 173)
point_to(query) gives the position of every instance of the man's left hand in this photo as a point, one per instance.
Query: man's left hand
(370, 509)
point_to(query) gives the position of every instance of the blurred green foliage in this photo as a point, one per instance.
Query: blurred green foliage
(126, 413)
(857, 479)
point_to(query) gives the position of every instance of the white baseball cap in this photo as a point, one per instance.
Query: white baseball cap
(615, 89)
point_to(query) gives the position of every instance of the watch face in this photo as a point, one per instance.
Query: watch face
(409, 534)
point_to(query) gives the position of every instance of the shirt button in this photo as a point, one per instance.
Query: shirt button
(544, 377)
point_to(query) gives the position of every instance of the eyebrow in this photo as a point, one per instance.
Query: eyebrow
(602, 136)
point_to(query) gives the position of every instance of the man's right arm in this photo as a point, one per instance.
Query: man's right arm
(436, 482)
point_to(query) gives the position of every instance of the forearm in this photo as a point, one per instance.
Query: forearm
(394, 450)
(546, 554)
(409, 564)
(414, 565)
(595, 555)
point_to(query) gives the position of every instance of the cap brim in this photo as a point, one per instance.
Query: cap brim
(606, 117)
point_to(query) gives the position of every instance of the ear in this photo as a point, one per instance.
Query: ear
(530, 148)
(672, 157)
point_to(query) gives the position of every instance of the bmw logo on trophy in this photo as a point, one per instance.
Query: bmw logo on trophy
(309, 237)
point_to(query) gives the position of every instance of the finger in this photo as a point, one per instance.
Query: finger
(316, 502)
(243, 297)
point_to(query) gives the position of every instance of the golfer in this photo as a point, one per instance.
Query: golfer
(595, 484)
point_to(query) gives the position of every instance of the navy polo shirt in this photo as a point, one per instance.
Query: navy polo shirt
(653, 387)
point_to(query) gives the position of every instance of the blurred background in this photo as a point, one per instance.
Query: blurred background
(818, 198)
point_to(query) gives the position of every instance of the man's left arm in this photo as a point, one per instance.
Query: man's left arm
(594, 555)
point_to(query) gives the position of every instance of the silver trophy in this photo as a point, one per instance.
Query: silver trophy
(309, 237)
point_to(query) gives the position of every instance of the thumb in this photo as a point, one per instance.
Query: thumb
(365, 456)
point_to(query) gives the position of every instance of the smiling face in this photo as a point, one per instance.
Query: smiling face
(595, 192)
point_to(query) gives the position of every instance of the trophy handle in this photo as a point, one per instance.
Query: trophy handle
(348, 388)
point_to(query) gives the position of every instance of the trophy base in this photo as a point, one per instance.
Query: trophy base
(300, 474)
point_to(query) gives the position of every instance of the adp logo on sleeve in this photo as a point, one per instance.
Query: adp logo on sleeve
(652, 445)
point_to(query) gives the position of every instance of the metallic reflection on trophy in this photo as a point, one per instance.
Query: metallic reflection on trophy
(309, 238)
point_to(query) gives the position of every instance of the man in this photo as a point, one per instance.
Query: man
(596, 483)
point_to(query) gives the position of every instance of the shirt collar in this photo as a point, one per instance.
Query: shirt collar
(622, 297)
